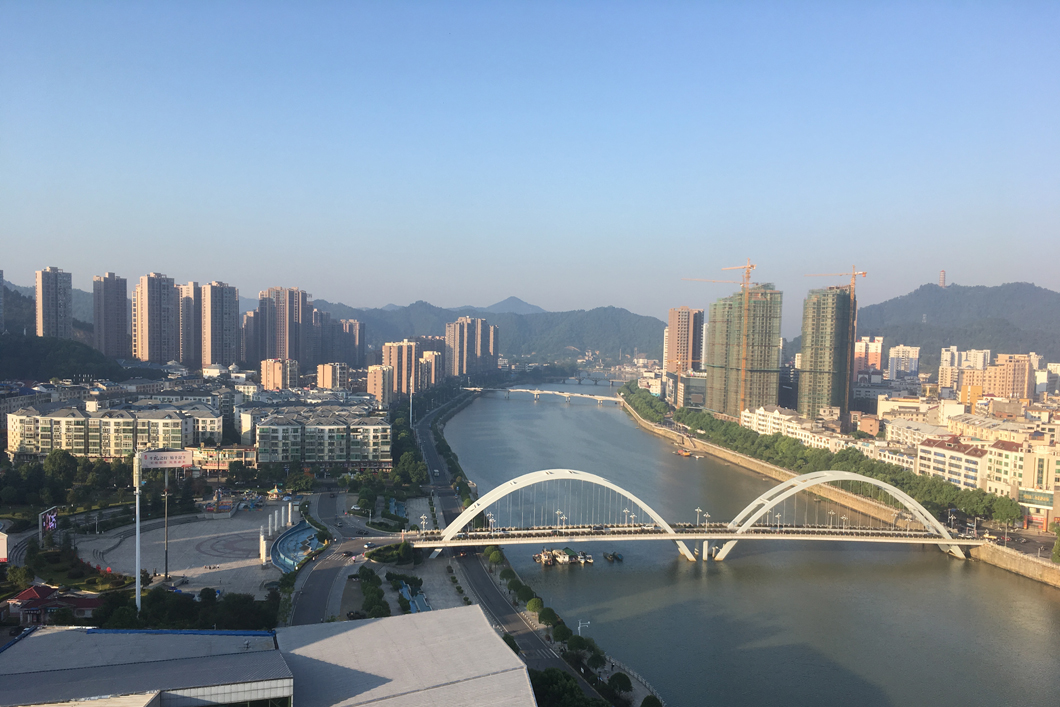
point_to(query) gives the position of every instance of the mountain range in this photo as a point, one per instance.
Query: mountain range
(1016, 317)
(527, 331)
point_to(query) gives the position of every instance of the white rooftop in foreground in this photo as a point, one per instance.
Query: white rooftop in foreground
(449, 657)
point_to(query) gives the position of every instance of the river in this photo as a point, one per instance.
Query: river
(781, 623)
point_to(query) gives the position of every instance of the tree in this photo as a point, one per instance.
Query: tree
(525, 594)
(597, 661)
(620, 682)
(535, 605)
(577, 643)
(63, 617)
(507, 574)
(548, 616)
(1056, 550)
(21, 577)
(490, 549)
(561, 632)
(514, 585)
(510, 640)
(651, 701)
(496, 557)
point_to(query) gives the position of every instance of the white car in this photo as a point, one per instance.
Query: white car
(369, 545)
(356, 508)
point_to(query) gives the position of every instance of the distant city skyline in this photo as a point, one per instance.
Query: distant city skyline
(571, 156)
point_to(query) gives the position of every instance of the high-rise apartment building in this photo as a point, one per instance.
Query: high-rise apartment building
(279, 374)
(381, 384)
(829, 318)
(903, 361)
(432, 370)
(190, 307)
(403, 358)
(250, 338)
(156, 319)
(352, 344)
(1010, 376)
(471, 345)
(110, 321)
(333, 376)
(741, 356)
(974, 358)
(221, 339)
(684, 340)
(284, 324)
(54, 304)
(868, 354)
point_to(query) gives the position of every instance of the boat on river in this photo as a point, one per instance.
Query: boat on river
(609, 557)
(617, 556)
(684, 452)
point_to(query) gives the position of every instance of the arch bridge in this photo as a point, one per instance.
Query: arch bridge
(600, 399)
(565, 505)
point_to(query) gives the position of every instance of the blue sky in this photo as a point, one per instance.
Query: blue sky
(571, 154)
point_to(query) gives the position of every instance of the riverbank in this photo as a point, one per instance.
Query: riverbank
(1044, 571)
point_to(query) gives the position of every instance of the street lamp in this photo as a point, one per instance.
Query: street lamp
(894, 521)
(844, 519)
(581, 625)
(777, 516)
(558, 514)
(562, 521)
(423, 523)
(830, 514)
(706, 517)
(626, 511)
(698, 511)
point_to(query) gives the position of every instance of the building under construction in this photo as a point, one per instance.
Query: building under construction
(829, 319)
(742, 357)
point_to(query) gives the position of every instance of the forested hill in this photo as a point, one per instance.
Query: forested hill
(1017, 317)
(548, 335)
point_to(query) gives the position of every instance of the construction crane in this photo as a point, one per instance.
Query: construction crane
(745, 285)
(853, 328)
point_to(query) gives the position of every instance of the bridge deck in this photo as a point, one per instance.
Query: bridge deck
(560, 536)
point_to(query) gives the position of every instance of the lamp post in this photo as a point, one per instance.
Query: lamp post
(562, 521)
(777, 516)
(844, 519)
(626, 511)
(633, 518)
(423, 523)
(706, 517)
(698, 511)
(894, 521)
(830, 514)
(558, 514)
(581, 625)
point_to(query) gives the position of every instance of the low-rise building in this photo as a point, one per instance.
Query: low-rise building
(954, 461)
(325, 434)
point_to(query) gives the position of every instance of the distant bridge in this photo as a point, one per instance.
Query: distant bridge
(600, 511)
(600, 399)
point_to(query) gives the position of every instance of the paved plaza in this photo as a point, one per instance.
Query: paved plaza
(222, 554)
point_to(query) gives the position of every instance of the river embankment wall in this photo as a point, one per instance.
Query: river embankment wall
(874, 509)
(1044, 571)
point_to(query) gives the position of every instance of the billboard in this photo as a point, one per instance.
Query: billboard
(165, 459)
(3, 548)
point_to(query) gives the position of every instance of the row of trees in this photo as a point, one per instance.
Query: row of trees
(933, 493)
(165, 609)
(647, 405)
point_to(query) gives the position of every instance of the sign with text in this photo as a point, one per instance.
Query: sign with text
(165, 459)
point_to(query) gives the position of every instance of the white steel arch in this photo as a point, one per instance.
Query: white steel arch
(778, 494)
(537, 477)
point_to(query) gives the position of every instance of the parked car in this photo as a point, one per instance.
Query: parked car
(347, 554)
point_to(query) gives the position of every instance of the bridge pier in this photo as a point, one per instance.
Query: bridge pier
(507, 394)
(537, 396)
(683, 549)
(567, 397)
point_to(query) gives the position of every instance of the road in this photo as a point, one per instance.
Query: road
(311, 600)
(535, 651)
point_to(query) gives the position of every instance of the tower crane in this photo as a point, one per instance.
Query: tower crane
(745, 286)
(853, 327)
